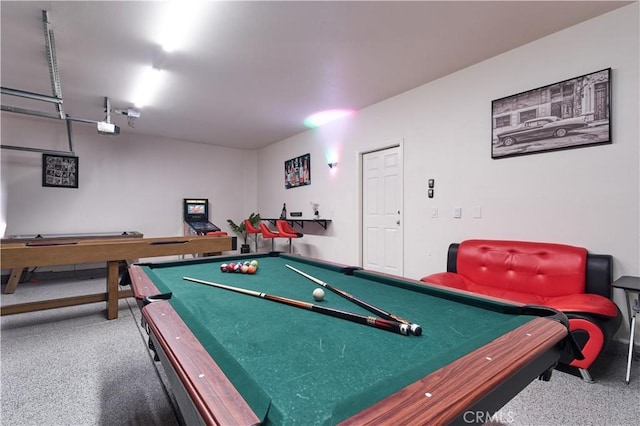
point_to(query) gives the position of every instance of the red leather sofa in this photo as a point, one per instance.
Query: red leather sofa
(562, 277)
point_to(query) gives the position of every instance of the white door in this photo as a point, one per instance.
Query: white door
(382, 245)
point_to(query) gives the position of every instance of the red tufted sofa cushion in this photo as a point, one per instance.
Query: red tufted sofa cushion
(524, 267)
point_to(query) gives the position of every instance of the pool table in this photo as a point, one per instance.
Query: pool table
(235, 359)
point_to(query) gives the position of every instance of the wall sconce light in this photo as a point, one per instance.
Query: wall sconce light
(332, 165)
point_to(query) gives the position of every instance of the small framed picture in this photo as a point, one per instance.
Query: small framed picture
(60, 171)
(297, 171)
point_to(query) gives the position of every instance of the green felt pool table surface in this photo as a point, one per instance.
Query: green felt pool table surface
(295, 366)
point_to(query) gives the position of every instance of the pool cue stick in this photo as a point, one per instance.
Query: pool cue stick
(413, 328)
(381, 323)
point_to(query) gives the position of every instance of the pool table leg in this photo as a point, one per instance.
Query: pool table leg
(112, 289)
(14, 279)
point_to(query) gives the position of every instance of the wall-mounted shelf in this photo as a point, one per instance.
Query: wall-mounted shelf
(300, 222)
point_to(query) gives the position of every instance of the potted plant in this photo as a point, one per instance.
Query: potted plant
(241, 230)
(314, 207)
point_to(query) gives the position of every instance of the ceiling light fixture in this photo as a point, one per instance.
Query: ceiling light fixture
(178, 24)
(175, 26)
(147, 86)
(324, 117)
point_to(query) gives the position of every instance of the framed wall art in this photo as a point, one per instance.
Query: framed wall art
(569, 114)
(297, 171)
(59, 171)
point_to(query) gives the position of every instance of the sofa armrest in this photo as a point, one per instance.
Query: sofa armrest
(599, 274)
(452, 257)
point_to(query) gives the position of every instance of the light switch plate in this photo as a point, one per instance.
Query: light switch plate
(476, 212)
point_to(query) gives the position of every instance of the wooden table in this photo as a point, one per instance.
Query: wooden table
(52, 239)
(16, 256)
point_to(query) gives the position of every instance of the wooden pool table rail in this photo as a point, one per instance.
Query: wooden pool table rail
(206, 395)
(17, 256)
(476, 383)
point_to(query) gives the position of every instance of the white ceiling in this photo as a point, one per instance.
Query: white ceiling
(255, 70)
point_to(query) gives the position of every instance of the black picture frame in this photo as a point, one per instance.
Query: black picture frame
(59, 171)
(297, 171)
(572, 113)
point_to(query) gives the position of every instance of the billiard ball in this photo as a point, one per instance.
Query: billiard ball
(251, 269)
(318, 294)
(254, 263)
(223, 267)
(244, 269)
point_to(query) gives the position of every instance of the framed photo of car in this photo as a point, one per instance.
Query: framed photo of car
(569, 114)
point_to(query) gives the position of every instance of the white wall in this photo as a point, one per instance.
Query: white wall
(126, 182)
(587, 197)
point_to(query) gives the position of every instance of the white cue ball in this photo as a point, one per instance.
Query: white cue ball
(318, 294)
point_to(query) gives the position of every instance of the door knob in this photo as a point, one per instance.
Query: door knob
(397, 222)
